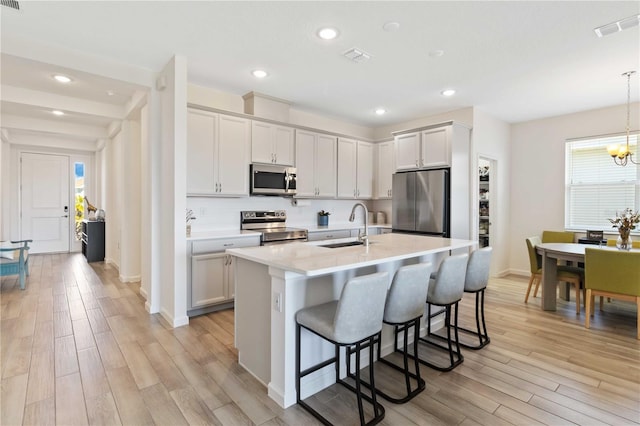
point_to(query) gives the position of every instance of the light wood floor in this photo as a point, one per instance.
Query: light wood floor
(77, 347)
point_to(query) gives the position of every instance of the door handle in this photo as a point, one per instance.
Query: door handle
(66, 215)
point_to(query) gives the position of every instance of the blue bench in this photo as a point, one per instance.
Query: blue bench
(14, 259)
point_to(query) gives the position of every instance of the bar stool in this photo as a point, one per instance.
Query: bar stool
(446, 290)
(475, 281)
(403, 310)
(354, 320)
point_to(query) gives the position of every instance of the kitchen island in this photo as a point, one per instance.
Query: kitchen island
(273, 282)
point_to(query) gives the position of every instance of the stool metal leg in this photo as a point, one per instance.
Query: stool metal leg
(481, 327)
(455, 356)
(408, 375)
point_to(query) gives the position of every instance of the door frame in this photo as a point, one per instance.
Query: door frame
(493, 195)
(88, 157)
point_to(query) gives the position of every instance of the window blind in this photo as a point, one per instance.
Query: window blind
(597, 188)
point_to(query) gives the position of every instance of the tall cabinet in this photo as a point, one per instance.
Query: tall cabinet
(355, 169)
(438, 146)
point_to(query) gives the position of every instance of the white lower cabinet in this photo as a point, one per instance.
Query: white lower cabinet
(211, 275)
(209, 279)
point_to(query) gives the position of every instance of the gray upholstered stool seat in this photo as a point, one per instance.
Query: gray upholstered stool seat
(446, 290)
(354, 320)
(403, 310)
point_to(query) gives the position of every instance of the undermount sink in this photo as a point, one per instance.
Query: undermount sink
(344, 244)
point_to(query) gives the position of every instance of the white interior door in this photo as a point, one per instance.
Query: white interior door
(45, 209)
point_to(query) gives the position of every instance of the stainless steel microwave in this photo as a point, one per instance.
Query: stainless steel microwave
(268, 179)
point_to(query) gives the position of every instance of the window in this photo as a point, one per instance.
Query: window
(597, 188)
(79, 197)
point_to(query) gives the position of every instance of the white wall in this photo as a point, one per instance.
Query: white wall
(213, 98)
(130, 203)
(112, 201)
(5, 177)
(537, 170)
(173, 195)
(491, 139)
(463, 116)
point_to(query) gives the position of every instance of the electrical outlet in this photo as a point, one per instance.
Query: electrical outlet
(277, 302)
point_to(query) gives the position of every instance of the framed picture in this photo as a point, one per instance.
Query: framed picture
(595, 235)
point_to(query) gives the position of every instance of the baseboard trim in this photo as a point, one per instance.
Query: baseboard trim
(174, 322)
(131, 279)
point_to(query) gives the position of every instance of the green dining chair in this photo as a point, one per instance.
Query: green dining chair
(558, 237)
(614, 274)
(568, 274)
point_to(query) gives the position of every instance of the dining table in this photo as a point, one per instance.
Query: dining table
(553, 252)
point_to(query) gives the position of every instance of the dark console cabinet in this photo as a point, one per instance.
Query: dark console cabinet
(93, 240)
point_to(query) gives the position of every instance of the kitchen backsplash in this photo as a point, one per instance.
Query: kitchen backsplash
(224, 213)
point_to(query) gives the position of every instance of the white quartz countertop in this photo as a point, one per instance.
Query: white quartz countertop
(312, 259)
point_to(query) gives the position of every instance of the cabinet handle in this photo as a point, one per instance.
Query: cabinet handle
(358, 192)
(272, 158)
(220, 187)
(228, 244)
(276, 157)
(417, 165)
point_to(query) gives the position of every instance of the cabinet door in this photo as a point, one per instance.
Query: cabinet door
(305, 163)
(326, 164)
(347, 168)
(283, 146)
(386, 167)
(435, 148)
(365, 170)
(201, 135)
(262, 142)
(233, 155)
(407, 151)
(208, 281)
(230, 278)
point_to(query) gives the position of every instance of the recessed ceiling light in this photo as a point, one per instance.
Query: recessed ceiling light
(381, 111)
(436, 53)
(110, 93)
(61, 78)
(327, 33)
(259, 73)
(57, 112)
(448, 92)
(391, 26)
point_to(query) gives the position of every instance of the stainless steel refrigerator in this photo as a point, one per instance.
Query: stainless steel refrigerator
(421, 202)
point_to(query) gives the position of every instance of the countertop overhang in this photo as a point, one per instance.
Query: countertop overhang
(311, 259)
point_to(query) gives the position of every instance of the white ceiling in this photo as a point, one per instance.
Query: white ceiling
(518, 61)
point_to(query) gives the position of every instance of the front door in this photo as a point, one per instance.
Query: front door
(44, 195)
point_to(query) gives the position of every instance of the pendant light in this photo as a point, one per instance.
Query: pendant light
(621, 154)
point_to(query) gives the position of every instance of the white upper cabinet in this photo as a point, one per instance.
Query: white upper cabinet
(217, 154)
(385, 169)
(315, 164)
(271, 143)
(347, 164)
(365, 170)
(436, 151)
(407, 151)
(202, 128)
(355, 169)
(425, 149)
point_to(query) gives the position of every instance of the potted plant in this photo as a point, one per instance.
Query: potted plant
(625, 222)
(323, 218)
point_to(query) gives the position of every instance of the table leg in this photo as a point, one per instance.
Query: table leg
(549, 280)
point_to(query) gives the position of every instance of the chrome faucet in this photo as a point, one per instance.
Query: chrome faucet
(365, 236)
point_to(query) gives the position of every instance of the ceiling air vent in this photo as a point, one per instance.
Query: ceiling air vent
(10, 3)
(357, 55)
(617, 26)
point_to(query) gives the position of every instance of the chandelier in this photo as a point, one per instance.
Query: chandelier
(622, 154)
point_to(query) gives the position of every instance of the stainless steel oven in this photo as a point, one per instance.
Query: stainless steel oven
(272, 225)
(269, 179)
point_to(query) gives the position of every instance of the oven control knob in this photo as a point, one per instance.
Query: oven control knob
(253, 214)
